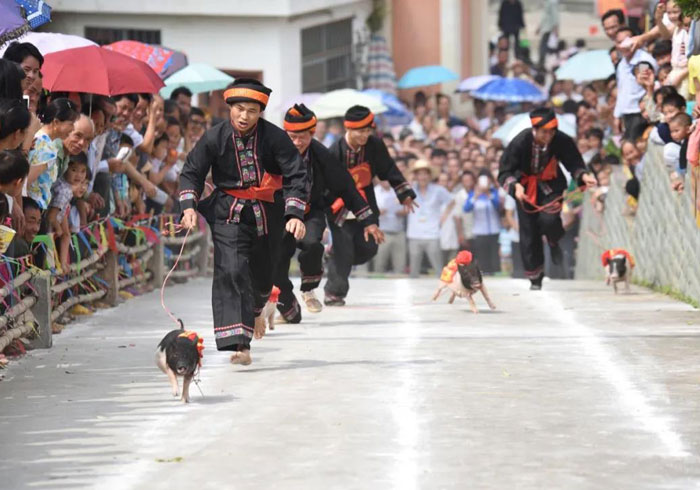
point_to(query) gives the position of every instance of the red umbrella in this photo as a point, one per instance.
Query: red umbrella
(95, 70)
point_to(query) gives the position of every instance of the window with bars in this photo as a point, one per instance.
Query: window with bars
(109, 35)
(326, 57)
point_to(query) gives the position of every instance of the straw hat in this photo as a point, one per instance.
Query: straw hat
(424, 165)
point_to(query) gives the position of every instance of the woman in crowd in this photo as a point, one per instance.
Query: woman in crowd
(46, 157)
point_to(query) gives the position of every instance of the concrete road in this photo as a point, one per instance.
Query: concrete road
(569, 388)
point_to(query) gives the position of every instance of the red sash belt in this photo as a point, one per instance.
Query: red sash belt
(265, 192)
(362, 175)
(530, 181)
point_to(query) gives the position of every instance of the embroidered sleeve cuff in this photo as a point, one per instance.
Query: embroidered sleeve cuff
(188, 199)
(578, 174)
(366, 215)
(294, 207)
(404, 191)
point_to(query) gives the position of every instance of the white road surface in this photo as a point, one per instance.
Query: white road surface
(571, 387)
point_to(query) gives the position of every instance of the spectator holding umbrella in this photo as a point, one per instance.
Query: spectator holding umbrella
(510, 21)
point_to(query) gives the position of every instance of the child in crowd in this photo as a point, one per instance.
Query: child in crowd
(672, 105)
(120, 182)
(14, 169)
(594, 138)
(62, 192)
(678, 77)
(675, 153)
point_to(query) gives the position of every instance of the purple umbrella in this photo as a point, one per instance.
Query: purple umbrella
(12, 24)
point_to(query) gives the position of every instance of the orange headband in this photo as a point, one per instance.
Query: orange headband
(361, 123)
(247, 93)
(550, 125)
(300, 126)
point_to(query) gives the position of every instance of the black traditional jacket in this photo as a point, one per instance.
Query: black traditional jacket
(382, 165)
(273, 151)
(331, 178)
(519, 161)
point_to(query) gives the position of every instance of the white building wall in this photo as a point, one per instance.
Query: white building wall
(271, 45)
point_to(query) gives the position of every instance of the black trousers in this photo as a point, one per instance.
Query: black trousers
(533, 226)
(243, 268)
(310, 264)
(349, 248)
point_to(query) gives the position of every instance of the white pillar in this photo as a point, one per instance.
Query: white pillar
(479, 37)
(451, 40)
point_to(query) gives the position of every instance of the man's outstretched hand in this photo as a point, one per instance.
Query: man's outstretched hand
(410, 205)
(374, 232)
(296, 227)
(189, 219)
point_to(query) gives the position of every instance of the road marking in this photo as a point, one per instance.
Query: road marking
(404, 410)
(632, 398)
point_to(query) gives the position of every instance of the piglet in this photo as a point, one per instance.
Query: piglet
(463, 277)
(618, 264)
(180, 354)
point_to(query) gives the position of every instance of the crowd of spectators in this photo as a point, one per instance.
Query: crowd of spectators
(68, 159)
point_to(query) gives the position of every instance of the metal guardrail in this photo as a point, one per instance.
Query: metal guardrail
(662, 236)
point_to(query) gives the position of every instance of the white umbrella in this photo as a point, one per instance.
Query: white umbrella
(337, 102)
(516, 124)
(50, 42)
(475, 82)
(587, 66)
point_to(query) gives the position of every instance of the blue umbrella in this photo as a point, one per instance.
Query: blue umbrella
(510, 90)
(587, 66)
(398, 114)
(37, 11)
(426, 75)
(12, 24)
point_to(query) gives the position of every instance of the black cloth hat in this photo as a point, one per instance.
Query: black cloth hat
(247, 90)
(358, 117)
(299, 118)
(543, 117)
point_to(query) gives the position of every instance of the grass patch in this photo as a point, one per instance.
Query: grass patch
(668, 291)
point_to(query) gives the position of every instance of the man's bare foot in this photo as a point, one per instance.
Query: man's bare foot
(241, 357)
(260, 327)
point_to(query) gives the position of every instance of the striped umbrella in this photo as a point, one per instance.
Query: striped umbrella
(164, 61)
(38, 12)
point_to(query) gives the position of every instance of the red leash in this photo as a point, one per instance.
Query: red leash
(165, 281)
(552, 207)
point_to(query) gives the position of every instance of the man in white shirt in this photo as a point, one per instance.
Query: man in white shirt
(629, 92)
(392, 218)
(424, 224)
